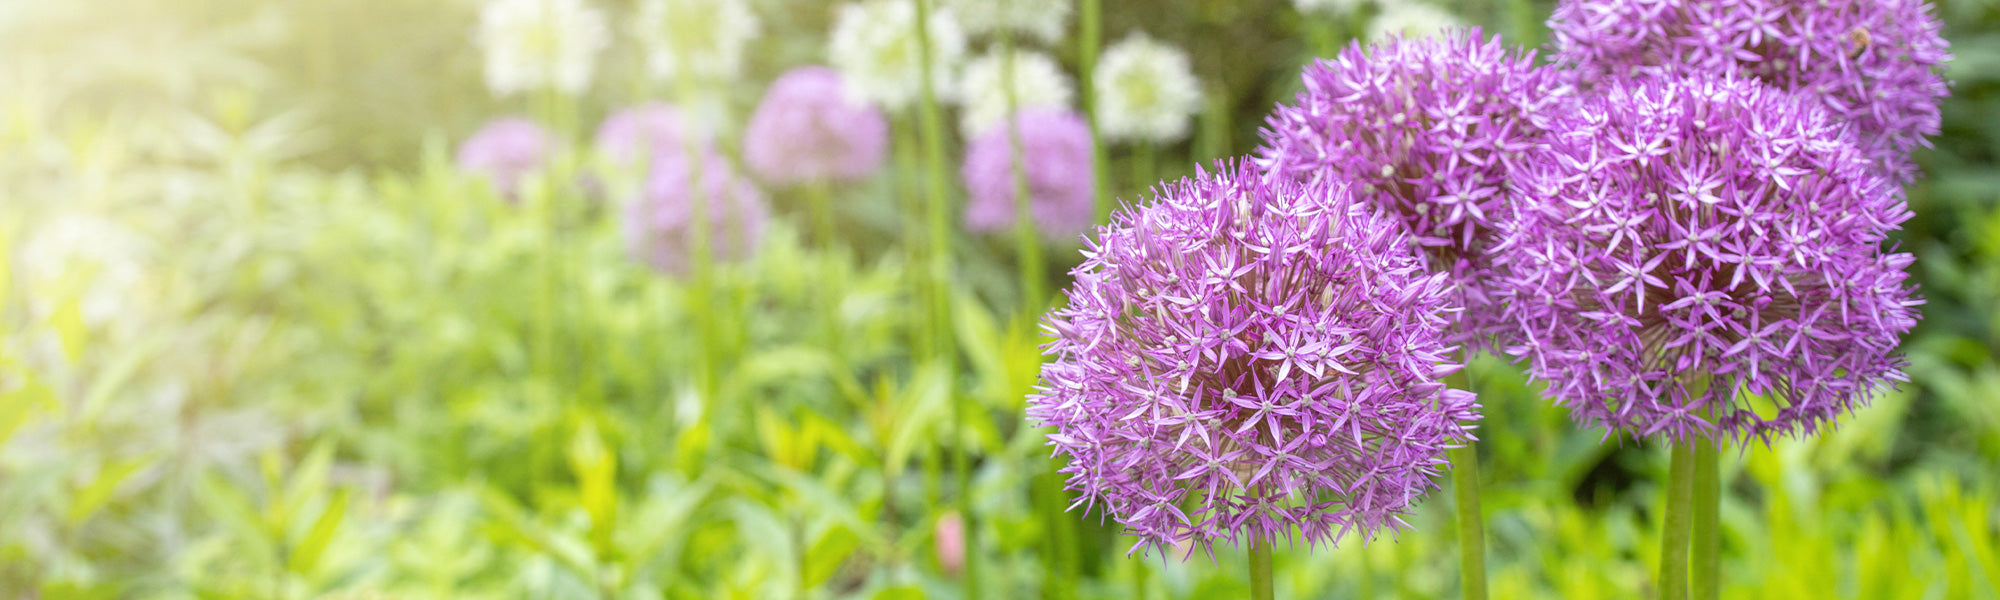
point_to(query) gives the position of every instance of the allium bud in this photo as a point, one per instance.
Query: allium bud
(1875, 63)
(1244, 360)
(1695, 240)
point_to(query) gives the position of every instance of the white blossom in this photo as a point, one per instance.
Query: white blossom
(705, 37)
(1038, 83)
(1411, 19)
(1145, 91)
(875, 47)
(1328, 7)
(1042, 20)
(540, 44)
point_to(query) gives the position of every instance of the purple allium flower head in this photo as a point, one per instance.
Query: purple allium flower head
(809, 129)
(1707, 227)
(1427, 130)
(504, 150)
(1242, 358)
(1875, 63)
(652, 129)
(659, 224)
(1055, 148)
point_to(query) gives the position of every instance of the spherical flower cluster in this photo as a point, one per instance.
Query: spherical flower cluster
(875, 46)
(659, 224)
(1042, 20)
(1707, 233)
(1875, 63)
(1411, 19)
(808, 129)
(1430, 130)
(1249, 359)
(1055, 152)
(1038, 82)
(1328, 7)
(703, 37)
(540, 44)
(505, 150)
(632, 135)
(1145, 91)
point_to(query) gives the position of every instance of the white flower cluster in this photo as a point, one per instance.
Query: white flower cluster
(1042, 20)
(1329, 7)
(1411, 19)
(875, 47)
(704, 37)
(540, 44)
(1145, 91)
(1038, 82)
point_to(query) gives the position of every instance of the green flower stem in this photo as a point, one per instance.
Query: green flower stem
(1707, 548)
(940, 253)
(906, 150)
(1674, 540)
(1213, 142)
(1260, 570)
(819, 203)
(701, 301)
(1090, 25)
(1465, 497)
(1027, 241)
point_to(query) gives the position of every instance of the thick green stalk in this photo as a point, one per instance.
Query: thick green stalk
(906, 151)
(1465, 496)
(1674, 539)
(700, 305)
(1145, 170)
(1090, 26)
(1471, 530)
(940, 253)
(819, 202)
(1260, 570)
(1027, 241)
(1707, 548)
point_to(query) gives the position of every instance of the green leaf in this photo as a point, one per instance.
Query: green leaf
(15, 405)
(306, 483)
(827, 554)
(900, 593)
(68, 323)
(305, 558)
(93, 496)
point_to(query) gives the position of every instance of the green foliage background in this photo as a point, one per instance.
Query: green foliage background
(326, 380)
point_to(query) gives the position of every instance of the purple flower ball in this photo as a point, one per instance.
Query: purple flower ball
(1875, 63)
(659, 225)
(654, 129)
(1243, 359)
(808, 129)
(1055, 148)
(1429, 131)
(505, 150)
(1707, 229)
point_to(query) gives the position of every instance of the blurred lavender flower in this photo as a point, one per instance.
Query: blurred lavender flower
(1038, 83)
(874, 45)
(658, 224)
(540, 44)
(1411, 19)
(505, 150)
(809, 129)
(1252, 359)
(653, 129)
(1145, 91)
(1055, 149)
(1875, 63)
(949, 539)
(1428, 130)
(703, 37)
(1042, 20)
(1708, 226)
